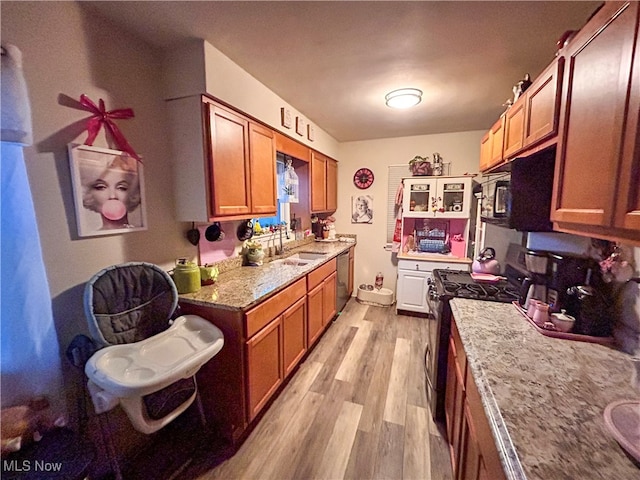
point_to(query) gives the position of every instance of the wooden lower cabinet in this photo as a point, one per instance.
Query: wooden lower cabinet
(294, 332)
(265, 370)
(321, 299)
(262, 348)
(321, 307)
(314, 309)
(474, 455)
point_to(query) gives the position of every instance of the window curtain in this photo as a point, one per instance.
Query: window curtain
(30, 357)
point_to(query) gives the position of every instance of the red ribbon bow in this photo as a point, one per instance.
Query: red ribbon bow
(101, 116)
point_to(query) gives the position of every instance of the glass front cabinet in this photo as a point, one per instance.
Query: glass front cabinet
(438, 197)
(438, 215)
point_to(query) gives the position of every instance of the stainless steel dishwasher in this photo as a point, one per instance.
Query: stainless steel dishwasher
(342, 296)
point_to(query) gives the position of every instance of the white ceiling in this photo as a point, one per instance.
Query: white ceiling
(334, 61)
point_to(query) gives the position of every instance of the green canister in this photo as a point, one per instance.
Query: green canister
(186, 276)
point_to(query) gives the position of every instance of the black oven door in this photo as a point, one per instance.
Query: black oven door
(431, 348)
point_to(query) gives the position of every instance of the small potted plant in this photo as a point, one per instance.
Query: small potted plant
(420, 166)
(253, 253)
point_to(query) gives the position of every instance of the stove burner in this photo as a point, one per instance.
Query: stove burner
(458, 283)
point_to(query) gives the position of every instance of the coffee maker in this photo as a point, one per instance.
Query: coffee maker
(535, 284)
(566, 271)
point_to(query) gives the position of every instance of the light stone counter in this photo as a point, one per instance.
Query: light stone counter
(243, 287)
(544, 397)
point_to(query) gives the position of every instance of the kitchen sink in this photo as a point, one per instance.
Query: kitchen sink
(308, 255)
(300, 259)
(294, 262)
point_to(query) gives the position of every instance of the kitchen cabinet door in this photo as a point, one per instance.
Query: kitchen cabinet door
(324, 183)
(598, 139)
(229, 165)
(454, 394)
(314, 314)
(471, 458)
(265, 371)
(318, 182)
(412, 291)
(543, 105)
(497, 140)
(262, 154)
(294, 330)
(332, 185)
(514, 128)
(628, 200)
(485, 151)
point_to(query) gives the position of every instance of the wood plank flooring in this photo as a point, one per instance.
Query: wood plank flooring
(355, 409)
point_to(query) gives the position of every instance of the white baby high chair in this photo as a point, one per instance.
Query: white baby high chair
(147, 364)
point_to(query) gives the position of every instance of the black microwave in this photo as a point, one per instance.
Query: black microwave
(521, 199)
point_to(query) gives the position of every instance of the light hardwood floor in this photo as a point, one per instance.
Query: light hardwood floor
(355, 409)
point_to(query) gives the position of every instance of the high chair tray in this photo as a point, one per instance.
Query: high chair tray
(140, 368)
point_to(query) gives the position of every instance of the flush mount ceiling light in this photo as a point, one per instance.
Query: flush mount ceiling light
(403, 98)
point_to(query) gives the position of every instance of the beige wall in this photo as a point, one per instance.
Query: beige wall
(217, 75)
(461, 149)
(67, 52)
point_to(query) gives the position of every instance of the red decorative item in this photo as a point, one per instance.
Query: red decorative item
(101, 116)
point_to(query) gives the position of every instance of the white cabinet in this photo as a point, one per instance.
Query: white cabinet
(412, 285)
(437, 197)
(438, 228)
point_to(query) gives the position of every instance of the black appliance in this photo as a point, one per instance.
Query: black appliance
(566, 271)
(444, 285)
(521, 200)
(342, 286)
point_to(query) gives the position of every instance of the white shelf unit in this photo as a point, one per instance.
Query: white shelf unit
(438, 226)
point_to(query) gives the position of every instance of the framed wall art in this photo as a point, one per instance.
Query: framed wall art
(285, 117)
(300, 126)
(362, 209)
(311, 132)
(108, 191)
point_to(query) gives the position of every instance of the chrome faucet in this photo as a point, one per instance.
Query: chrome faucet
(281, 250)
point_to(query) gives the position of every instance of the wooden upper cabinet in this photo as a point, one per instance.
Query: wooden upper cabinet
(491, 146)
(229, 168)
(597, 165)
(241, 165)
(534, 117)
(514, 128)
(318, 182)
(497, 139)
(332, 185)
(529, 125)
(485, 151)
(294, 334)
(262, 154)
(324, 183)
(542, 101)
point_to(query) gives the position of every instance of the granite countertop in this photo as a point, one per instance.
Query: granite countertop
(243, 287)
(545, 397)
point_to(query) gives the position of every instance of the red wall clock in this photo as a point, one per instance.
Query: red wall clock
(363, 178)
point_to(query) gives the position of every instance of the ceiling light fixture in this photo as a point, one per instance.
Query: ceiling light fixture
(403, 98)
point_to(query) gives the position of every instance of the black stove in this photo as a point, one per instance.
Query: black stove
(443, 286)
(460, 284)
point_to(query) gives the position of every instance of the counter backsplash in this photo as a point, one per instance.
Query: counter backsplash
(225, 253)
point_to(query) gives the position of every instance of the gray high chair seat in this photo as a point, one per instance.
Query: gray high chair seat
(148, 360)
